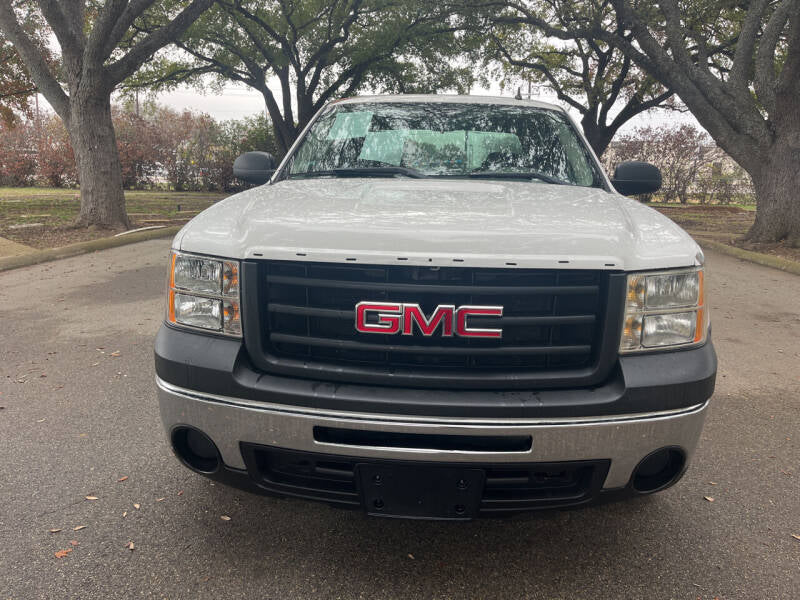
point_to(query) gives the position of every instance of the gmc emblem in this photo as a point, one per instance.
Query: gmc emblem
(396, 317)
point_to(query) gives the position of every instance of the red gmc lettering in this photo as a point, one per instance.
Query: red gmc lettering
(413, 313)
(388, 317)
(394, 317)
(465, 312)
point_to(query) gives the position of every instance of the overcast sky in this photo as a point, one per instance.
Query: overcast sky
(235, 102)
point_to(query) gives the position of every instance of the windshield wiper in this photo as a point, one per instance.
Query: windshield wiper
(518, 175)
(363, 172)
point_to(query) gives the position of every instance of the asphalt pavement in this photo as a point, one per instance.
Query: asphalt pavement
(79, 420)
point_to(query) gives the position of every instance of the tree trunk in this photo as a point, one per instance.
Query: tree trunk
(598, 137)
(91, 133)
(777, 185)
(283, 130)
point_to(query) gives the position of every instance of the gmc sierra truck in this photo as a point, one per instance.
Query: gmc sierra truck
(436, 307)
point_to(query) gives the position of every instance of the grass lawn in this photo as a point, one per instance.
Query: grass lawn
(43, 217)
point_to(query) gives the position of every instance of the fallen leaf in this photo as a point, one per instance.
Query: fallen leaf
(159, 499)
(123, 478)
(78, 527)
(225, 518)
(115, 354)
(125, 514)
(206, 578)
(796, 536)
(54, 530)
(74, 542)
(180, 493)
(41, 420)
(709, 498)
(92, 498)
(411, 556)
(63, 553)
(130, 546)
(136, 506)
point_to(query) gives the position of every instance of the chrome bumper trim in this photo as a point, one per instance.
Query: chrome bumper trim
(624, 439)
(356, 416)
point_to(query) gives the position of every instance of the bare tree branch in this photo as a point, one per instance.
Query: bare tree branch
(746, 43)
(764, 78)
(70, 38)
(116, 18)
(789, 79)
(128, 64)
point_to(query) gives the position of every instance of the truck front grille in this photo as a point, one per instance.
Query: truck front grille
(553, 320)
(509, 488)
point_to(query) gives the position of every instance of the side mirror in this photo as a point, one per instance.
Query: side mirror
(254, 167)
(635, 177)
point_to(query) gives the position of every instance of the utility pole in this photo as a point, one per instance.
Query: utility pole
(38, 129)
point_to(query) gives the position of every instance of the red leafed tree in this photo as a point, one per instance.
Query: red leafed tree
(139, 143)
(57, 166)
(17, 154)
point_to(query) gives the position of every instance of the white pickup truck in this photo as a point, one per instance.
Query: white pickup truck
(436, 307)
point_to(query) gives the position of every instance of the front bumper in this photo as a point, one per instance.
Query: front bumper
(623, 439)
(269, 430)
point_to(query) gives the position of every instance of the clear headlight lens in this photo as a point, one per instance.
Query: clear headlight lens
(204, 293)
(197, 311)
(664, 310)
(198, 274)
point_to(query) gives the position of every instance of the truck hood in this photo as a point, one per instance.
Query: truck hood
(440, 222)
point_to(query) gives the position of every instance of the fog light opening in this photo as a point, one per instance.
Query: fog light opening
(195, 449)
(659, 470)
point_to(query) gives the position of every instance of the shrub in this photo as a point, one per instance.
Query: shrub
(158, 146)
(17, 154)
(56, 161)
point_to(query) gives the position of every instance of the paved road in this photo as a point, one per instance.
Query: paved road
(76, 418)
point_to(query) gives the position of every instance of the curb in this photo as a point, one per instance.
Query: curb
(766, 260)
(40, 256)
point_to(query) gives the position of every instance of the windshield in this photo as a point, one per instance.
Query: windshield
(439, 139)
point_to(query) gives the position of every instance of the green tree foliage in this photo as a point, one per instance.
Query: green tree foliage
(592, 76)
(16, 86)
(300, 54)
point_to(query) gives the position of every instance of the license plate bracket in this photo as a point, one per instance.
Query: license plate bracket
(421, 492)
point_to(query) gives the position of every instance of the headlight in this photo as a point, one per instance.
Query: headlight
(204, 294)
(664, 310)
